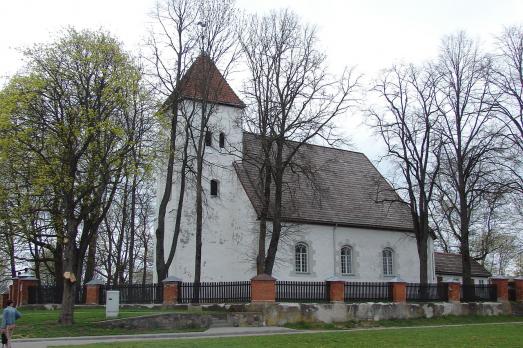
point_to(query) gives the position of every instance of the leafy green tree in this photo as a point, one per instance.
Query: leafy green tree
(65, 118)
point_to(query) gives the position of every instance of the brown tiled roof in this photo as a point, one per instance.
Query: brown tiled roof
(203, 81)
(346, 188)
(450, 264)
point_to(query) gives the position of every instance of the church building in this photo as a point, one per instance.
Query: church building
(348, 224)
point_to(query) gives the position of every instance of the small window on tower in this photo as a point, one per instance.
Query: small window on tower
(214, 188)
(222, 140)
(208, 138)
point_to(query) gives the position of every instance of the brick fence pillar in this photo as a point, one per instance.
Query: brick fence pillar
(518, 284)
(263, 288)
(501, 287)
(336, 290)
(399, 291)
(171, 290)
(454, 292)
(24, 283)
(92, 291)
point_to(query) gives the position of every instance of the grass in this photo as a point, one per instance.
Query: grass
(38, 323)
(505, 335)
(445, 320)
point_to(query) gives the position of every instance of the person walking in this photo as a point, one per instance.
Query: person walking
(9, 317)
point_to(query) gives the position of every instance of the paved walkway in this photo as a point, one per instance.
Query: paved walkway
(211, 333)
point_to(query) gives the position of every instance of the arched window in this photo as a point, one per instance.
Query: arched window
(301, 258)
(387, 261)
(208, 138)
(222, 140)
(214, 188)
(346, 260)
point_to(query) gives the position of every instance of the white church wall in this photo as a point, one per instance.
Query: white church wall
(227, 239)
(325, 243)
(230, 229)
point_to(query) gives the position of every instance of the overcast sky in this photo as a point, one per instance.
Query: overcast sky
(370, 34)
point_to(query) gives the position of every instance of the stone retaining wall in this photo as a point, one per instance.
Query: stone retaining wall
(269, 314)
(281, 314)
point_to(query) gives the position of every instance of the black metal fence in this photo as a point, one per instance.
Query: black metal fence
(134, 293)
(367, 291)
(478, 292)
(427, 292)
(52, 294)
(287, 291)
(215, 292)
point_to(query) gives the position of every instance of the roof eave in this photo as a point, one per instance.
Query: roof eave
(482, 275)
(234, 105)
(345, 224)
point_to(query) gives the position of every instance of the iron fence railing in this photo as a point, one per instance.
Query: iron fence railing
(52, 294)
(427, 292)
(367, 291)
(478, 292)
(215, 292)
(134, 293)
(296, 291)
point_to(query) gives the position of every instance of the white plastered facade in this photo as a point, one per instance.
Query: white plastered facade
(230, 228)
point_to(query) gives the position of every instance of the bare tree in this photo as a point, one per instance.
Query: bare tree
(407, 126)
(295, 99)
(189, 28)
(507, 89)
(467, 172)
(172, 46)
(218, 47)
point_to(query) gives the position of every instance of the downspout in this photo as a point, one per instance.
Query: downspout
(334, 248)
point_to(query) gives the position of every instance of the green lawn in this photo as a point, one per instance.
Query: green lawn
(504, 335)
(37, 323)
(445, 320)
(44, 323)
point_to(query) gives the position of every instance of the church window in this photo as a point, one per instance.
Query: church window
(346, 260)
(387, 261)
(208, 138)
(222, 140)
(214, 188)
(301, 258)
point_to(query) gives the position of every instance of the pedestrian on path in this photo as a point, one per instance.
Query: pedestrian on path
(9, 317)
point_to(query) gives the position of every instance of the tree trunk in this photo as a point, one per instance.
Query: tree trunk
(423, 260)
(200, 153)
(12, 262)
(161, 267)
(260, 260)
(69, 264)
(145, 251)
(276, 220)
(120, 264)
(132, 229)
(91, 259)
(199, 220)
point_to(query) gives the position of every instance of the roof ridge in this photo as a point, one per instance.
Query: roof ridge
(316, 145)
